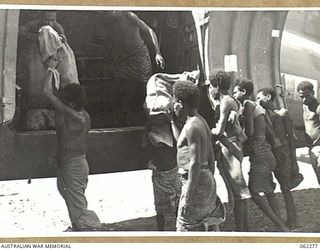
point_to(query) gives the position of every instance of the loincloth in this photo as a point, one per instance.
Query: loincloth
(263, 163)
(134, 66)
(203, 203)
(284, 171)
(166, 190)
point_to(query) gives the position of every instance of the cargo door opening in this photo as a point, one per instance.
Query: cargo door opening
(92, 35)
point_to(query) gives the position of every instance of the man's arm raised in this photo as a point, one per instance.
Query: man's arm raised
(145, 28)
(55, 101)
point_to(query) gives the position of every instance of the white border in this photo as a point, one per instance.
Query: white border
(157, 233)
(151, 8)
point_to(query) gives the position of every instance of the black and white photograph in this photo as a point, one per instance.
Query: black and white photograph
(118, 120)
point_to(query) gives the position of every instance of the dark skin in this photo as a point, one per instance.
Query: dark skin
(194, 147)
(283, 130)
(72, 124)
(311, 122)
(227, 105)
(128, 29)
(31, 29)
(256, 127)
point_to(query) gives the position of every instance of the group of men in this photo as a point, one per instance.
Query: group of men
(243, 127)
(52, 78)
(258, 129)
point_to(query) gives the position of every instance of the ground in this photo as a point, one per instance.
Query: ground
(125, 202)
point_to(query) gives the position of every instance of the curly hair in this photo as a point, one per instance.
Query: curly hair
(187, 92)
(268, 91)
(245, 84)
(221, 79)
(305, 85)
(74, 93)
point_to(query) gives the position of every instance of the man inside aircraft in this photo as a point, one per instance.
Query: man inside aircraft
(72, 126)
(48, 17)
(132, 66)
(195, 159)
(311, 113)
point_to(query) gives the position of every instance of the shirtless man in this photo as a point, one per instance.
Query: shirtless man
(311, 113)
(158, 138)
(73, 124)
(229, 135)
(262, 160)
(132, 66)
(286, 171)
(195, 160)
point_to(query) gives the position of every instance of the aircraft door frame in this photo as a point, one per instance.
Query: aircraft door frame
(9, 20)
(247, 44)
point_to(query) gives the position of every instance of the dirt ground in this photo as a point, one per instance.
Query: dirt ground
(125, 202)
(307, 209)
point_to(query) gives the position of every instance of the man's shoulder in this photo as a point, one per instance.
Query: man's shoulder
(249, 104)
(228, 98)
(229, 101)
(195, 124)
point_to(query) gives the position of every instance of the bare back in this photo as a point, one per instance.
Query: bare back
(199, 129)
(230, 129)
(72, 135)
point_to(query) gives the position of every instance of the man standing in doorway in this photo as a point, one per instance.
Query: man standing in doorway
(131, 67)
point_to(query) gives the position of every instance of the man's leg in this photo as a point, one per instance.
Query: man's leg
(231, 168)
(241, 215)
(63, 190)
(314, 153)
(268, 211)
(288, 198)
(75, 200)
(287, 178)
(274, 204)
(290, 207)
(75, 179)
(160, 222)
